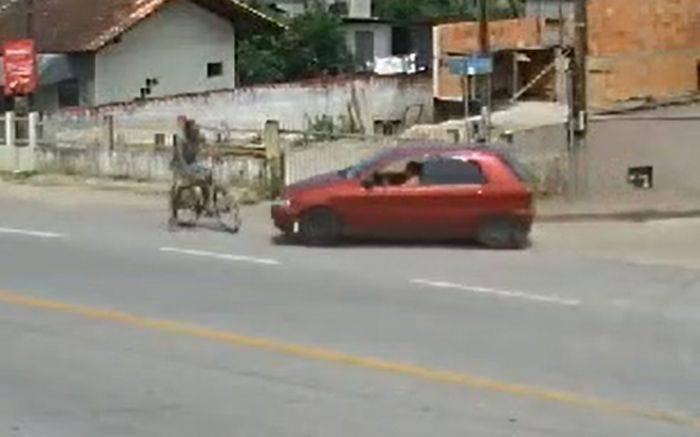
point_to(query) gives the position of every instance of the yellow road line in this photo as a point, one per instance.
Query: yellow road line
(314, 353)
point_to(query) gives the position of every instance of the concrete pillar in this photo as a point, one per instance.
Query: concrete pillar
(107, 133)
(10, 128)
(8, 150)
(26, 156)
(33, 130)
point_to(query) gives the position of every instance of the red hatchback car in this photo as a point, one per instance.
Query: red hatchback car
(432, 193)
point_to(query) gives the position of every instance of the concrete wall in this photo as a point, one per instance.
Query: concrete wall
(359, 8)
(642, 49)
(295, 105)
(139, 164)
(173, 46)
(642, 139)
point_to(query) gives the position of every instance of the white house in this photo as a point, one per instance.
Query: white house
(102, 51)
(368, 37)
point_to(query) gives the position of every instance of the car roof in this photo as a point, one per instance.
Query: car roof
(400, 152)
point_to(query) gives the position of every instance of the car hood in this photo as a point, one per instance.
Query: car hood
(319, 181)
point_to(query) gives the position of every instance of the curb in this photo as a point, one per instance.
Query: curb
(637, 216)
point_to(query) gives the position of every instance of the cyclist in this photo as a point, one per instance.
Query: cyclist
(185, 165)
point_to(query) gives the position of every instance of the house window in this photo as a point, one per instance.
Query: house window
(215, 69)
(400, 41)
(452, 172)
(364, 47)
(68, 93)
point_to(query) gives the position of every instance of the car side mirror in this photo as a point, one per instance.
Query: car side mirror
(367, 184)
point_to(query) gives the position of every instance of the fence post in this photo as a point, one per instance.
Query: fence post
(274, 156)
(26, 156)
(107, 133)
(10, 157)
(10, 129)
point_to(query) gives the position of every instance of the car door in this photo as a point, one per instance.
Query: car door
(384, 210)
(453, 197)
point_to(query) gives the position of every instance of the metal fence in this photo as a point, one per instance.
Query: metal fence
(543, 150)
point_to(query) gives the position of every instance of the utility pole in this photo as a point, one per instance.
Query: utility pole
(29, 17)
(485, 91)
(579, 104)
(561, 23)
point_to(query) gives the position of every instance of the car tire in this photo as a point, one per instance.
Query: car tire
(320, 227)
(503, 233)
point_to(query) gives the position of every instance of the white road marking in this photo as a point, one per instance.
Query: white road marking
(224, 256)
(513, 294)
(31, 233)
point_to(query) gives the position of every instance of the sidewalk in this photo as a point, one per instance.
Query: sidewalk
(633, 206)
(123, 186)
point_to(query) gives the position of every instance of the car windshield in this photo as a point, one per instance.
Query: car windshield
(361, 167)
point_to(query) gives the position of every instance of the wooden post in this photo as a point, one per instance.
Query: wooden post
(274, 156)
(516, 73)
(485, 51)
(465, 96)
(580, 99)
(108, 132)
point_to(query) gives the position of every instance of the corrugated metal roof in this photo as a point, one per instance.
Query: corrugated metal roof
(62, 26)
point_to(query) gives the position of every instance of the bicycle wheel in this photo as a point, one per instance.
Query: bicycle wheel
(227, 210)
(183, 205)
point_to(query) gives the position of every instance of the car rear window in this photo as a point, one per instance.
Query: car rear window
(517, 168)
(443, 171)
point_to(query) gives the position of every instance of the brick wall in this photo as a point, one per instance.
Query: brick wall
(642, 49)
(463, 38)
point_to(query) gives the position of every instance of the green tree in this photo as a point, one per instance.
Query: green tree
(259, 60)
(312, 45)
(417, 10)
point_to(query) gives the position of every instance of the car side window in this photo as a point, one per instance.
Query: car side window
(452, 172)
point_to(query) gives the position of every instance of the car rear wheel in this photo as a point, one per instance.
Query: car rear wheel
(503, 233)
(320, 227)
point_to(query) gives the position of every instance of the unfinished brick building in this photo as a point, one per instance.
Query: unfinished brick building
(642, 50)
(638, 51)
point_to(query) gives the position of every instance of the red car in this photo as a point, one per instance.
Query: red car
(433, 193)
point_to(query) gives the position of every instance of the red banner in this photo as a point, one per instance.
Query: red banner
(21, 77)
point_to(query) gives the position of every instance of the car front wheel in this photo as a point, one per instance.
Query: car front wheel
(320, 227)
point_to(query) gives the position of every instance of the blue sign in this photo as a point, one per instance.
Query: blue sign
(471, 65)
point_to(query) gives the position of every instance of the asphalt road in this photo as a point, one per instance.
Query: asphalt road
(111, 326)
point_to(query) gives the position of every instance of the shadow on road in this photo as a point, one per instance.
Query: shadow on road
(382, 243)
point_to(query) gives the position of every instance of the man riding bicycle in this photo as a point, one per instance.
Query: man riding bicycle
(187, 170)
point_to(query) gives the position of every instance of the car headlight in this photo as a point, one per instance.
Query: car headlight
(282, 203)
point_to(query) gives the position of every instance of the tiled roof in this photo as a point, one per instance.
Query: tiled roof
(62, 26)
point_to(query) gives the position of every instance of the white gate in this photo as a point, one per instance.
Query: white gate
(18, 142)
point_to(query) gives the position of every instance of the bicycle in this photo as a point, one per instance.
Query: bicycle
(202, 197)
